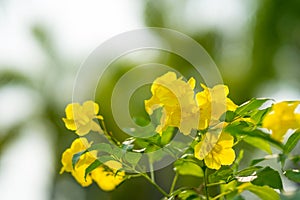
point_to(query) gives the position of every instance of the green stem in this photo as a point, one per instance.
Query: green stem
(151, 170)
(149, 179)
(206, 183)
(155, 185)
(108, 135)
(173, 183)
(221, 195)
(215, 184)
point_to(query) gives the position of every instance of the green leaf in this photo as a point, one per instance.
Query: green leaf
(228, 116)
(99, 161)
(237, 161)
(256, 161)
(267, 157)
(250, 106)
(247, 129)
(258, 143)
(141, 121)
(188, 167)
(293, 174)
(238, 197)
(76, 157)
(259, 115)
(91, 167)
(225, 174)
(101, 147)
(156, 115)
(282, 158)
(167, 136)
(248, 171)
(132, 157)
(268, 176)
(292, 142)
(189, 195)
(263, 192)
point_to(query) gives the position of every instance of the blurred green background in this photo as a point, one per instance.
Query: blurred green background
(255, 44)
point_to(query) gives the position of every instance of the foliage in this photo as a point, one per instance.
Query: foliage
(215, 124)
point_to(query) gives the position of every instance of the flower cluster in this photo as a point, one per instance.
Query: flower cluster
(80, 119)
(210, 120)
(176, 97)
(184, 109)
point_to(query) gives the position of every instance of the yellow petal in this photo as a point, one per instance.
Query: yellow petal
(227, 156)
(90, 108)
(70, 124)
(212, 162)
(95, 127)
(226, 140)
(79, 173)
(192, 82)
(108, 180)
(70, 109)
(230, 105)
(220, 92)
(83, 130)
(197, 151)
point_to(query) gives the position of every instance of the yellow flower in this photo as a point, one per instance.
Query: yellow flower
(78, 172)
(213, 103)
(108, 179)
(80, 118)
(215, 150)
(176, 97)
(282, 118)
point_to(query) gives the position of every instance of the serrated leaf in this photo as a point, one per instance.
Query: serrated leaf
(132, 157)
(293, 175)
(292, 142)
(258, 143)
(250, 106)
(263, 192)
(268, 176)
(188, 167)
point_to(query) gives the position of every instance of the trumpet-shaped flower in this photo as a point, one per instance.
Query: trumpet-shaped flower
(215, 149)
(80, 118)
(212, 104)
(78, 172)
(281, 118)
(176, 97)
(107, 176)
